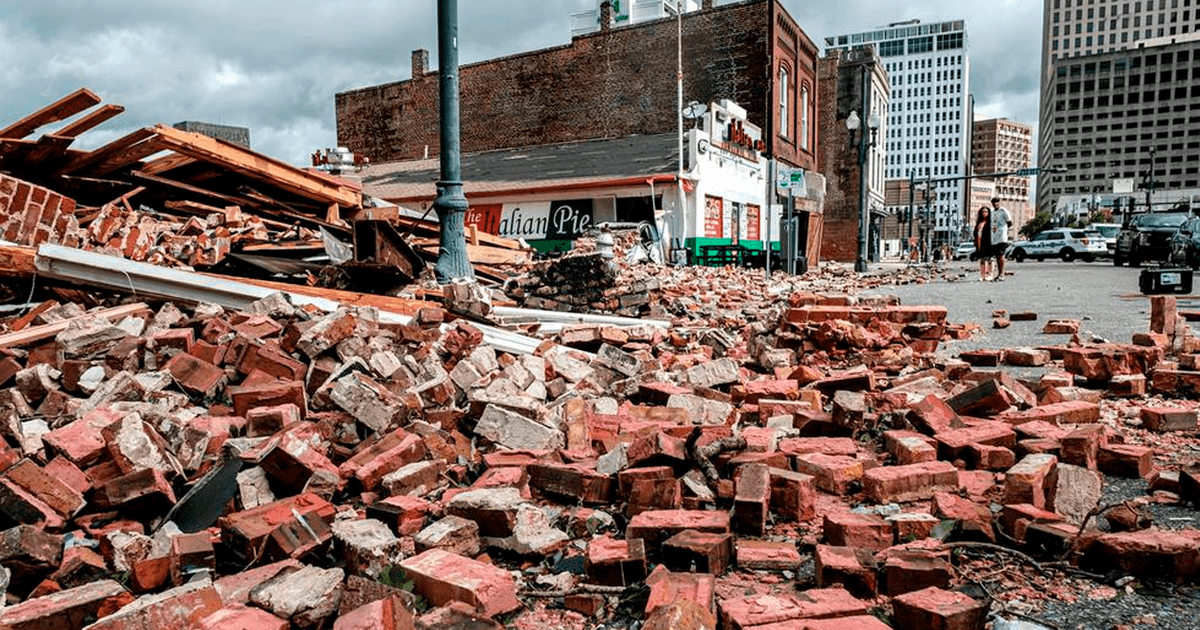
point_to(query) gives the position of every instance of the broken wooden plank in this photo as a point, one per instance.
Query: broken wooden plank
(61, 109)
(22, 322)
(17, 262)
(258, 166)
(45, 331)
(477, 254)
(93, 119)
(99, 161)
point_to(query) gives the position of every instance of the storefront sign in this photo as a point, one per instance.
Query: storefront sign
(534, 220)
(714, 217)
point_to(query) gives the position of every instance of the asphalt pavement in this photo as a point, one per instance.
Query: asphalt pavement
(1105, 299)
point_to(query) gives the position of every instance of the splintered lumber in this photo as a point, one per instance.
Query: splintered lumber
(17, 262)
(93, 119)
(114, 154)
(61, 109)
(45, 331)
(479, 254)
(242, 160)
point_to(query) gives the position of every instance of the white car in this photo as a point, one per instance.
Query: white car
(1065, 243)
(964, 250)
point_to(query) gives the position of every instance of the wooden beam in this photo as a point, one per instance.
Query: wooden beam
(170, 183)
(49, 147)
(61, 109)
(108, 152)
(165, 163)
(258, 166)
(17, 262)
(46, 331)
(92, 119)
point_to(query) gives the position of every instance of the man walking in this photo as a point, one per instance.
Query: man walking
(1000, 223)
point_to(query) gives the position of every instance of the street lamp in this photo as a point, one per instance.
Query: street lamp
(865, 142)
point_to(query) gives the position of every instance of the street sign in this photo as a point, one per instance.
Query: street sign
(1026, 172)
(791, 179)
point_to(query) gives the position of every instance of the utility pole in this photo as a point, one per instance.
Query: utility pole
(451, 205)
(1150, 188)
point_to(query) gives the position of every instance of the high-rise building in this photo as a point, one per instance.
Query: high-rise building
(929, 117)
(1003, 146)
(1125, 126)
(1071, 28)
(1118, 94)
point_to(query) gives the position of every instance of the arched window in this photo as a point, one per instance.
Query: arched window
(784, 102)
(804, 118)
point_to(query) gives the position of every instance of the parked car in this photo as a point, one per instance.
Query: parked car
(964, 250)
(1147, 236)
(1185, 244)
(1109, 231)
(1065, 243)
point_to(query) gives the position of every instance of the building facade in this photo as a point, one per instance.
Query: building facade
(1126, 127)
(1000, 145)
(1072, 28)
(929, 117)
(853, 80)
(614, 81)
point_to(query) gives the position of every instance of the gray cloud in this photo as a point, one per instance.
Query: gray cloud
(275, 66)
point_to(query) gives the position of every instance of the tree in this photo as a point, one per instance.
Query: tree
(1039, 222)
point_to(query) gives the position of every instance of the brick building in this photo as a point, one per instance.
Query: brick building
(617, 82)
(843, 76)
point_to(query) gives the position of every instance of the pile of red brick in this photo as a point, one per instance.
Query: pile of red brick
(284, 467)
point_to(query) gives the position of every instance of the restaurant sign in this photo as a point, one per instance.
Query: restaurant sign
(533, 220)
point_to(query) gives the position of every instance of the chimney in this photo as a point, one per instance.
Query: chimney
(605, 15)
(420, 62)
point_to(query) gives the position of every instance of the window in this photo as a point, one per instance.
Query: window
(804, 118)
(784, 88)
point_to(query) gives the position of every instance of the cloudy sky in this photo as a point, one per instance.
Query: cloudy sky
(275, 65)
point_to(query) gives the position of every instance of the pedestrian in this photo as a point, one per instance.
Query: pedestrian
(983, 242)
(1000, 223)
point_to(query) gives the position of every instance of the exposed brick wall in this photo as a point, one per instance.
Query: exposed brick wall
(841, 91)
(612, 83)
(31, 215)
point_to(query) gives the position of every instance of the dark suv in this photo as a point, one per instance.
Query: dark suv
(1185, 244)
(1147, 236)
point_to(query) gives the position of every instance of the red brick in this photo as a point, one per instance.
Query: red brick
(196, 376)
(81, 440)
(824, 445)
(655, 526)
(938, 609)
(1069, 412)
(181, 607)
(667, 587)
(51, 490)
(851, 568)
(832, 473)
(766, 555)
(951, 444)
(70, 608)
(1126, 460)
(974, 520)
(268, 393)
(1015, 518)
(244, 618)
(615, 562)
(22, 507)
(405, 515)
(395, 449)
(750, 503)
(910, 526)
(690, 550)
(912, 482)
(388, 613)
(792, 495)
(1150, 553)
(1030, 480)
(1081, 447)
(571, 480)
(1168, 418)
(680, 615)
(760, 611)
(442, 577)
(265, 421)
(247, 532)
(862, 531)
(912, 569)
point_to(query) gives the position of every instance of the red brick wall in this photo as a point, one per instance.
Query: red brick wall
(612, 83)
(31, 215)
(840, 93)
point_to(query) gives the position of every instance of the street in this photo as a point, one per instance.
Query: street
(1105, 299)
